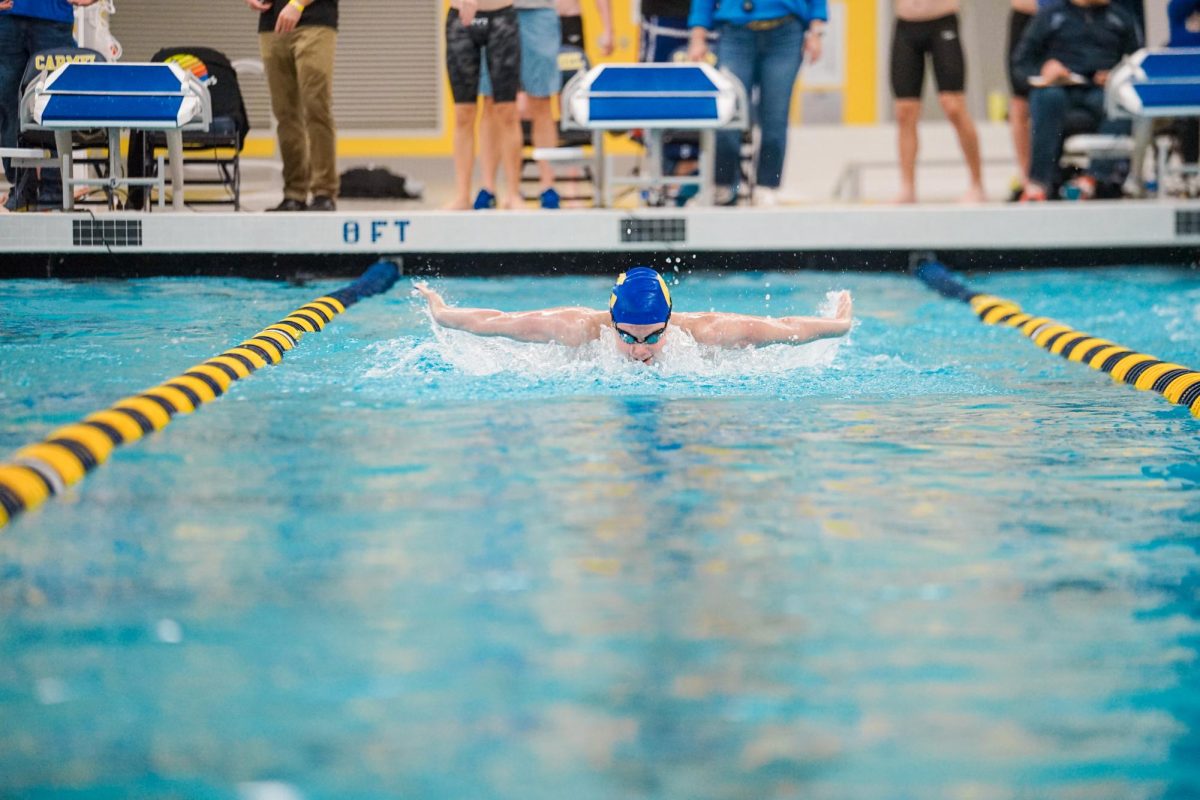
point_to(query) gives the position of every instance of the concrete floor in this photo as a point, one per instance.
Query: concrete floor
(825, 164)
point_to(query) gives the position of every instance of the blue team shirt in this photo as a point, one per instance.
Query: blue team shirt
(1179, 11)
(707, 12)
(56, 10)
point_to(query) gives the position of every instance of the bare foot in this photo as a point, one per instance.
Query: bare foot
(458, 204)
(974, 195)
(514, 202)
(436, 304)
(422, 288)
(845, 306)
(906, 197)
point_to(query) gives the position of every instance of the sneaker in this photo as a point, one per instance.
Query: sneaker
(1033, 193)
(1081, 188)
(322, 203)
(1015, 190)
(725, 196)
(686, 192)
(289, 204)
(484, 200)
(550, 198)
(766, 197)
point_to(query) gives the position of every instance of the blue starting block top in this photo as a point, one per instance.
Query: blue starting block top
(1159, 65)
(654, 95)
(1157, 83)
(103, 95)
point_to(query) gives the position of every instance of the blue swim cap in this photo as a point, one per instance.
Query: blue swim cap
(640, 297)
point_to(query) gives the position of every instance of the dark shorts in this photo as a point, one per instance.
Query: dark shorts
(1016, 28)
(572, 31)
(912, 41)
(495, 33)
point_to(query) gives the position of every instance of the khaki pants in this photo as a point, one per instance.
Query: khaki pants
(299, 68)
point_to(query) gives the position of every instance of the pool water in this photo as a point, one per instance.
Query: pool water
(929, 560)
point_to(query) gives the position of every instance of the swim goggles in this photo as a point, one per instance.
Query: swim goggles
(650, 338)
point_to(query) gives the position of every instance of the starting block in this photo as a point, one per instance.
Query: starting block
(1154, 84)
(654, 98)
(113, 97)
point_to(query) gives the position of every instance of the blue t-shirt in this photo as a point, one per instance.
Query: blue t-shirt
(705, 13)
(1180, 13)
(56, 10)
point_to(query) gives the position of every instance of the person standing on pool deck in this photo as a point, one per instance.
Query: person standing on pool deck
(1018, 105)
(475, 28)
(537, 21)
(27, 26)
(930, 27)
(762, 43)
(639, 313)
(297, 40)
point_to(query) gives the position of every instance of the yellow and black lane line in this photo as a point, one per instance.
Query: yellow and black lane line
(45, 468)
(1177, 383)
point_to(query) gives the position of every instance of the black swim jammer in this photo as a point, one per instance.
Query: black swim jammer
(911, 41)
(572, 30)
(494, 32)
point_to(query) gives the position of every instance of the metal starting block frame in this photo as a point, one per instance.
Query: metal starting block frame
(117, 96)
(654, 98)
(1154, 83)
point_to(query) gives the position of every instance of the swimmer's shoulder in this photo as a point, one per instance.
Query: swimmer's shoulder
(576, 325)
(693, 321)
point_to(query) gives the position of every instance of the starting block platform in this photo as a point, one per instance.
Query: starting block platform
(1149, 85)
(654, 98)
(113, 97)
(1156, 83)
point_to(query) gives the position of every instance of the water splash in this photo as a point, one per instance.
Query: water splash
(681, 358)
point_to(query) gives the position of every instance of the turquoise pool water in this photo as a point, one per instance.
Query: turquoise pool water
(927, 561)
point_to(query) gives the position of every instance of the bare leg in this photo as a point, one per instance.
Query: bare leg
(1018, 121)
(509, 141)
(489, 145)
(464, 155)
(545, 134)
(908, 111)
(955, 106)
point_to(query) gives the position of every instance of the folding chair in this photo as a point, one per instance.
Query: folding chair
(212, 157)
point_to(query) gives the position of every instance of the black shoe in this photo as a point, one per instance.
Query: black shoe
(289, 204)
(322, 203)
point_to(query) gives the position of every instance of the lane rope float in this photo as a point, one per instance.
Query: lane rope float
(38, 471)
(1177, 383)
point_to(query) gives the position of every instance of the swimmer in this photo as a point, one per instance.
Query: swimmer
(639, 313)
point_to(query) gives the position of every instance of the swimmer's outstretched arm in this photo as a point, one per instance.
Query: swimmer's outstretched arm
(569, 326)
(743, 330)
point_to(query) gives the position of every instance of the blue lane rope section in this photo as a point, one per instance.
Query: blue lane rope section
(1177, 383)
(38, 471)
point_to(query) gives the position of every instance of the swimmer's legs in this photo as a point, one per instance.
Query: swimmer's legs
(545, 134)
(908, 112)
(489, 145)
(509, 141)
(1018, 120)
(464, 155)
(954, 104)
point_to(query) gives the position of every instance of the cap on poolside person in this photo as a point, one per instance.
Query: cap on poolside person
(640, 297)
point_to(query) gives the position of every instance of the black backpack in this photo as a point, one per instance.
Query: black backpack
(368, 182)
(214, 70)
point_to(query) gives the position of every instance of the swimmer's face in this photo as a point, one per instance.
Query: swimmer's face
(641, 342)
